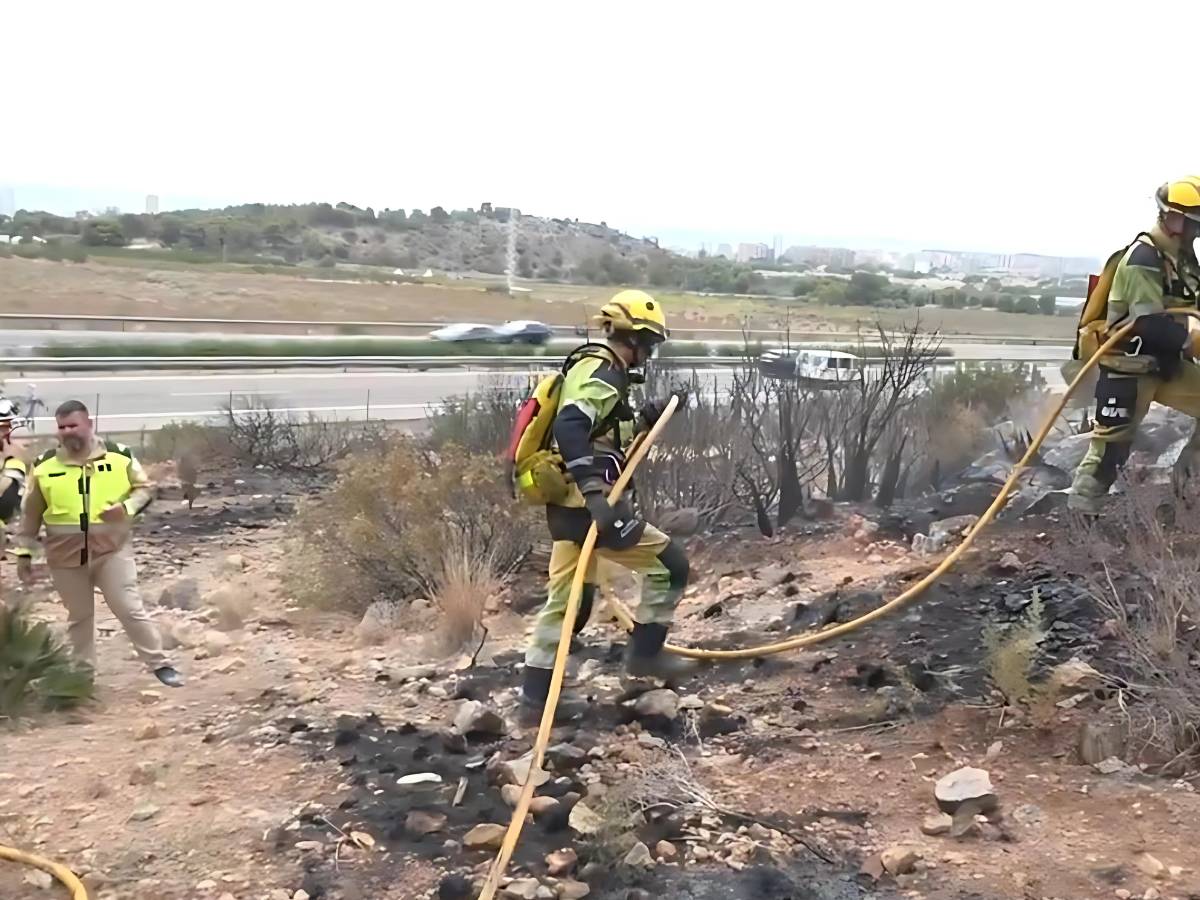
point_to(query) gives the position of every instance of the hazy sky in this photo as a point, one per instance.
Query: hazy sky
(994, 125)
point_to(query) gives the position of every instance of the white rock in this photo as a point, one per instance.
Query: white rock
(663, 702)
(487, 836)
(639, 857)
(584, 820)
(419, 778)
(474, 717)
(963, 785)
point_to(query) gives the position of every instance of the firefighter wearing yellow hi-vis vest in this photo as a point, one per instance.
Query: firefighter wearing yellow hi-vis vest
(1158, 361)
(87, 492)
(567, 451)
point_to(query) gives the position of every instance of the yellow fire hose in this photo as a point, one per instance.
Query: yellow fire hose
(500, 864)
(62, 873)
(807, 640)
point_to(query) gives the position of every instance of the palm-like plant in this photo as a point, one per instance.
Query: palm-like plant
(35, 668)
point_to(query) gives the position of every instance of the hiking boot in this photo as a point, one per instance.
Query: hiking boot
(532, 701)
(645, 657)
(1084, 504)
(169, 676)
(1088, 495)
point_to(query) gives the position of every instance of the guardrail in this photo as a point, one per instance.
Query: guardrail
(420, 363)
(683, 328)
(104, 363)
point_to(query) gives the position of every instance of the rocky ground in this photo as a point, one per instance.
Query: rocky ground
(299, 762)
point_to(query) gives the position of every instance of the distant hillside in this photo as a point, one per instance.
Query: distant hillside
(466, 241)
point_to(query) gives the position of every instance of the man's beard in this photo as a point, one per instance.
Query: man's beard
(74, 443)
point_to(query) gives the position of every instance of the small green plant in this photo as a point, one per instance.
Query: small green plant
(1011, 652)
(36, 671)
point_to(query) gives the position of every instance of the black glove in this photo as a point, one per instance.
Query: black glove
(617, 528)
(652, 410)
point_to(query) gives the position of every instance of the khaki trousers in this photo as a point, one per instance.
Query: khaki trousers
(115, 574)
(663, 569)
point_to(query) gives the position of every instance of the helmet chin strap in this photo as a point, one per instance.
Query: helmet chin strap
(629, 341)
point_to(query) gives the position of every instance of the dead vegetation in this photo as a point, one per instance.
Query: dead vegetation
(463, 587)
(258, 434)
(1145, 574)
(385, 527)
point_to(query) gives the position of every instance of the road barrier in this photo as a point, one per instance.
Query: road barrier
(683, 328)
(417, 363)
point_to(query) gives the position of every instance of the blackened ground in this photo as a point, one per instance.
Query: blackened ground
(372, 757)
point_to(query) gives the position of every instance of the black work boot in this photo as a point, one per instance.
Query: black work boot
(533, 696)
(645, 657)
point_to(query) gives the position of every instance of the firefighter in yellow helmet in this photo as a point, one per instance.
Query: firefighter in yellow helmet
(592, 428)
(1158, 362)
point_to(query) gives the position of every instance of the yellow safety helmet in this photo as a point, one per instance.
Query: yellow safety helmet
(1182, 196)
(634, 311)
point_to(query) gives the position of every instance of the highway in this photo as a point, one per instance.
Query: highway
(131, 402)
(31, 342)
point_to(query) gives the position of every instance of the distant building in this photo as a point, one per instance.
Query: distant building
(777, 247)
(725, 250)
(8, 201)
(869, 257)
(1022, 265)
(1034, 265)
(753, 253)
(152, 204)
(112, 211)
(815, 257)
(841, 258)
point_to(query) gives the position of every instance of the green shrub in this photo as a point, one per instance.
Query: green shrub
(36, 670)
(63, 252)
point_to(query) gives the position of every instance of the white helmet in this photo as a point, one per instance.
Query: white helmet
(10, 413)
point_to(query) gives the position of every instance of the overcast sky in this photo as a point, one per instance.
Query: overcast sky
(1041, 126)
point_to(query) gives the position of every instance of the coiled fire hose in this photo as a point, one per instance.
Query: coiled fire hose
(62, 873)
(500, 864)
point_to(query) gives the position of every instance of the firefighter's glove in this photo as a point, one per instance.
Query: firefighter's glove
(652, 410)
(616, 526)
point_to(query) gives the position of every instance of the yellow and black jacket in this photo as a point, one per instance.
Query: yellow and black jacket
(68, 495)
(12, 485)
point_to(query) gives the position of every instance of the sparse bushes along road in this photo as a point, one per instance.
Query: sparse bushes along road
(404, 520)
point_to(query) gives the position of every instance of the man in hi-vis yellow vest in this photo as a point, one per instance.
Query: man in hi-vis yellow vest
(86, 493)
